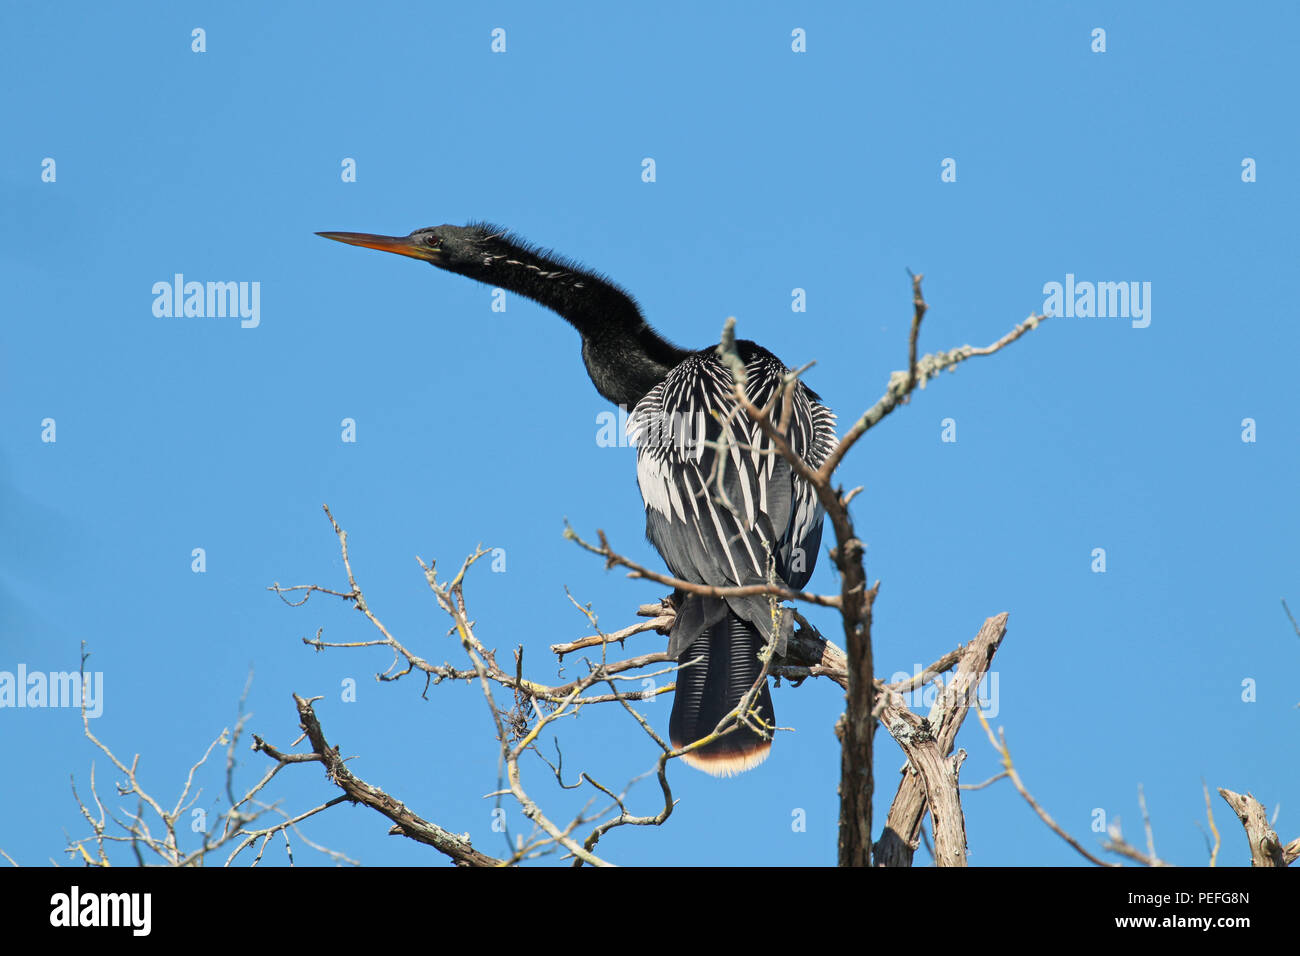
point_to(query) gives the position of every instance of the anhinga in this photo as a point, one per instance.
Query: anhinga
(723, 508)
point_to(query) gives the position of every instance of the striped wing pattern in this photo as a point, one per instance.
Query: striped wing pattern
(721, 502)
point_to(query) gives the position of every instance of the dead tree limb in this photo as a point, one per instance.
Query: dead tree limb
(405, 822)
(918, 790)
(1265, 847)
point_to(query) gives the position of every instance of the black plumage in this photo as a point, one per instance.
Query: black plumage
(723, 508)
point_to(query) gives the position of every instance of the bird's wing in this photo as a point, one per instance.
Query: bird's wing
(722, 506)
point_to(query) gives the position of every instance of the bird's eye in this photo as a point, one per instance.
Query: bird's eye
(432, 241)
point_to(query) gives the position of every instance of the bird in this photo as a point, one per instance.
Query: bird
(723, 507)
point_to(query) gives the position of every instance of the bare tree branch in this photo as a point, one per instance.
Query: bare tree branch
(902, 829)
(406, 823)
(1008, 765)
(1265, 847)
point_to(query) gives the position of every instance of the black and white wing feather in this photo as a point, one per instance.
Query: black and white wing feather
(723, 507)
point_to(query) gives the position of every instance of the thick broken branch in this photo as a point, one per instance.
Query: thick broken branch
(915, 792)
(1265, 847)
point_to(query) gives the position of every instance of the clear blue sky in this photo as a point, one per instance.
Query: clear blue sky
(775, 170)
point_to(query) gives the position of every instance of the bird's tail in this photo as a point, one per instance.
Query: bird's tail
(726, 667)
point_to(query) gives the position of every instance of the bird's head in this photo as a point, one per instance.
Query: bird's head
(455, 248)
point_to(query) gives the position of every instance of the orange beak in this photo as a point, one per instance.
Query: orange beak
(402, 245)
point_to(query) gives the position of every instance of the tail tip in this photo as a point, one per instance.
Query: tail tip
(727, 763)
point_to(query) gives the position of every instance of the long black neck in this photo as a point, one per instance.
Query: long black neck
(624, 356)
